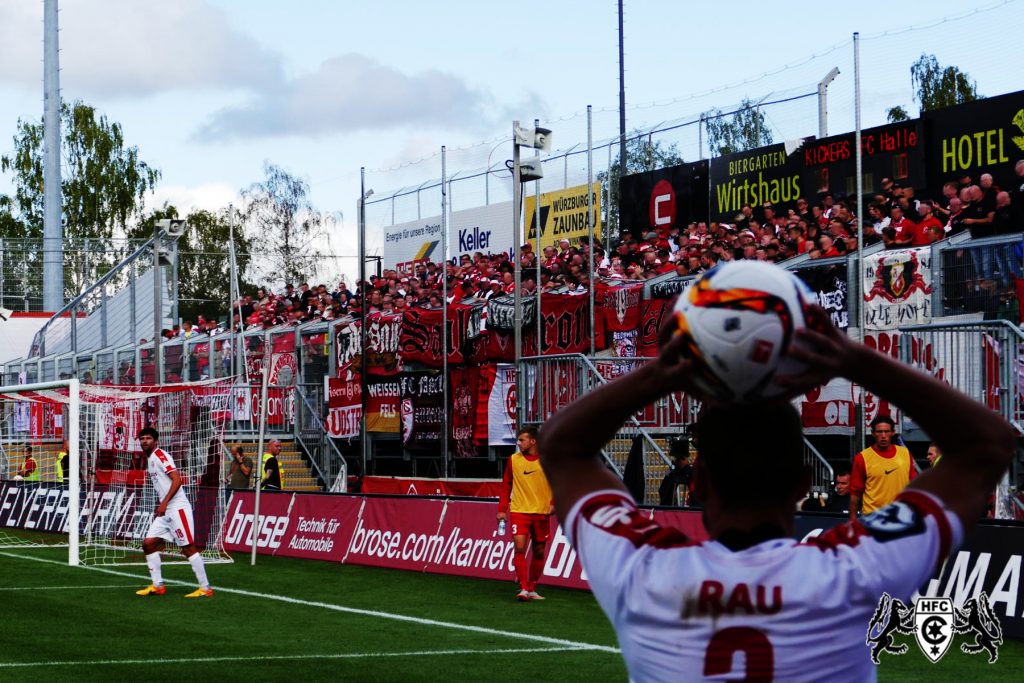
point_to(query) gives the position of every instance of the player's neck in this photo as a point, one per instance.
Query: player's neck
(719, 522)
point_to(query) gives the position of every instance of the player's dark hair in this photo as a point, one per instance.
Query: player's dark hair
(883, 419)
(840, 470)
(529, 430)
(753, 454)
(149, 431)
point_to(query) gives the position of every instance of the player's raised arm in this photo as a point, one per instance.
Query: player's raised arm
(571, 440)
(977, 444)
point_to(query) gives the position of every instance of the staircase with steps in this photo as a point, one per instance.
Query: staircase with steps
(655, 468)
(297, 473)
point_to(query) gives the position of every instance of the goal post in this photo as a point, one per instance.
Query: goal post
(89, 489)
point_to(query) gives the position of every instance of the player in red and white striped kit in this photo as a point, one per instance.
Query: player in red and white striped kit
(752, 602)
(172, 521)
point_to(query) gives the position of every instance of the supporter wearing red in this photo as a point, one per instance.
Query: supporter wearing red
(928, 221)
(881, 471)
(752, 601)
(906, 230)
(526, 504)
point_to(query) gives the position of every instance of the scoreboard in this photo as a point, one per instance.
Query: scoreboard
(893, 151)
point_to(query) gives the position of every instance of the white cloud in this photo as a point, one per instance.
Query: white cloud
(126, 48)
(210, 197)
(352, 93)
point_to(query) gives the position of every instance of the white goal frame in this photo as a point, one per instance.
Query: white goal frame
(53, 392)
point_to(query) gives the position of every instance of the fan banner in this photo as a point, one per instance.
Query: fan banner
(463, 386)
(829, 284)
(501, 405)
(420, 340)
(383, 331)
(422, 409)
(382, 399)
(566, 329)
(653, 313)
(621, 306)
(346, 346)
(501, 313)
(624, 344)
(897, 288)
(344, 407)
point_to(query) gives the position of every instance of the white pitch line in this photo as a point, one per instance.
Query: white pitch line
(272, 658)
(559, 642)
(62, 588)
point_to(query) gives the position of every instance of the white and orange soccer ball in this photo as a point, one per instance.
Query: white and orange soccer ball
(739, 320)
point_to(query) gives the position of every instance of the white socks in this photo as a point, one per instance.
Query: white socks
(196, 560)
(153, 562)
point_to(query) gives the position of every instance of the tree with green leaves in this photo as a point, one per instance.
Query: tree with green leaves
(103, 187)
(745, 129)
(103, 180)
(896, 114)
(291, 231)
(643, 153)
(936, 86)
(204, 264)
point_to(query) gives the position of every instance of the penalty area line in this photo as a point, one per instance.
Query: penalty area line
(421, 621)
(274, 658)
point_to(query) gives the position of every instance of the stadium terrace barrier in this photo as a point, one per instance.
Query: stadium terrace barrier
(459, 538)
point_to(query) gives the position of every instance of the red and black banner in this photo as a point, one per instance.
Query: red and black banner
(421, 336)
(463, 387)
(620, 306)
(422, 409)
(565, 322)
(653, 313)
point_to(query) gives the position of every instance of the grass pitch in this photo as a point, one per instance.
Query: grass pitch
(301, 620)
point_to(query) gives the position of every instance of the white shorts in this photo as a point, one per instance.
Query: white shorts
(176, 526)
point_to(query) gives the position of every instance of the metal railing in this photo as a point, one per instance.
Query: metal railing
(552, 382)
(311, 434)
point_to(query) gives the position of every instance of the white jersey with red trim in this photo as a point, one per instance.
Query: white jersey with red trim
(780, 610)
(160, 465)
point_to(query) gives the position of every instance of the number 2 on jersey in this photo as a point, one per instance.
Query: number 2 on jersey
(753, 643)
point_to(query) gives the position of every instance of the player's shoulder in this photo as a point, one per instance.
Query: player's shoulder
(906, 517)
(615, 514)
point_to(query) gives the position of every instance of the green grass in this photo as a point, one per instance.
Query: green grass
(96, 628)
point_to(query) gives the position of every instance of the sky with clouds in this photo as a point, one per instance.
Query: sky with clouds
(209, 89)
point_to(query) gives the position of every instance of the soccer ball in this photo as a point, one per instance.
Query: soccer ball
(738, 321)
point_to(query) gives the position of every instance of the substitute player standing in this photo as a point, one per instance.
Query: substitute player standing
(530, 505)
(172, 521)
(752, 602)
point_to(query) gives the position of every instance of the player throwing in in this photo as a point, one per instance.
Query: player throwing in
(753, 602)
(172, 521)
(526, 493)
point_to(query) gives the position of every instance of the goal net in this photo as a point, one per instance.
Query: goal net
(89, 489)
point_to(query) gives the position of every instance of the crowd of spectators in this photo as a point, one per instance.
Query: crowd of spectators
(824, 228)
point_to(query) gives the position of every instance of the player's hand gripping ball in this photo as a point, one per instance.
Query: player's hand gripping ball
(738, 322)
